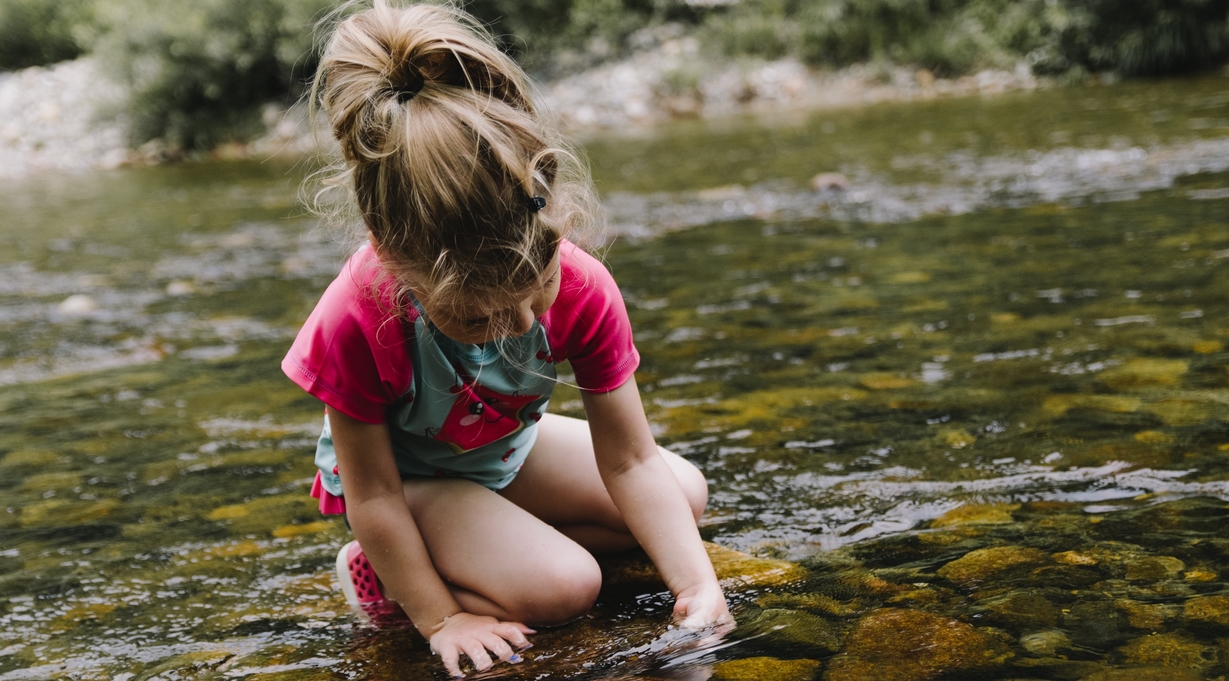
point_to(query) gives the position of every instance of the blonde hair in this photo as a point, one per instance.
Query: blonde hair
(443, 152)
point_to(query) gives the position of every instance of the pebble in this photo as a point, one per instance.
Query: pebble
(180, 288)
(78, 304)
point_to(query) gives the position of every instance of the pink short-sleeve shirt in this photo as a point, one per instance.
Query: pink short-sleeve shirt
(352, 351)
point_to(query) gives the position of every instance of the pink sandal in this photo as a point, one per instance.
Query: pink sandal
(360, 585)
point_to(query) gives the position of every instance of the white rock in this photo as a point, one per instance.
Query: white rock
(180, 288)
(78, 304)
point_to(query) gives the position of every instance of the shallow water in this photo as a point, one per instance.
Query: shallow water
(1008, 333)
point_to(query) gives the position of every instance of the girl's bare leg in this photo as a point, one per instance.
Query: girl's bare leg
(523, 554)
(497, 558)
(560, 484)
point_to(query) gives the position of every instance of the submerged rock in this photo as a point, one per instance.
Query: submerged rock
(976, 566)
(976, 514)
(1018, 611)
(1208, 610)
(811, 601)
(1170, 650)
(911, 645)
(735, 569)
(1096, 624)
(1154, 568)
(797, 628)
(1147, 615)
(1142, 372)
(1047, 643)
(764, 669)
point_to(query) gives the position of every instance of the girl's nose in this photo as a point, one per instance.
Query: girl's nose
(524, 318)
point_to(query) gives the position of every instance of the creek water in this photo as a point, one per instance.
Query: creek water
(976, 389)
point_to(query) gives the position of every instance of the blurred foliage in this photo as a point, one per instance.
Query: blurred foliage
(1132, 37)
(35, 32)
(199, 70)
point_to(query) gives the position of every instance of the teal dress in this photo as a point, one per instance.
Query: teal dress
(471, 411)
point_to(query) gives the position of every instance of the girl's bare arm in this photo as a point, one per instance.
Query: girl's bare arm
(651, 502)
(377, 510)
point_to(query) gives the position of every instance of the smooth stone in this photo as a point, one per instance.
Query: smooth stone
(1046, 643)
(180, 288)
(912, 645)
(976, 514)
(1154, 568)
(1018, 611)
(1096, 624)
(77, 304)
(796, 627)
(1212, 610)
(1147, 615)
(976, 566)
(1169, 650)
(765, 669)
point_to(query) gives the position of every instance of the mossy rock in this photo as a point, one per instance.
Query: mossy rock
(1143, 372)
(1207, 610)
(1154, 568)
(765, 669)
(734, 569)
(811, 601)
(1170, 650)
(1018, 611)
(975, 566)
(800, 629)
(1148, 615)
(912, 645)
(976, 514)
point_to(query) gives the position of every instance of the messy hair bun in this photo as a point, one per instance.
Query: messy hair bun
(444, 153)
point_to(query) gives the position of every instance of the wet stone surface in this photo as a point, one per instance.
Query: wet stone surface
(943, 442)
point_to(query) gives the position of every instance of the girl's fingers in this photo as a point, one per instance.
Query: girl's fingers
(515, 634)
(452, 661)
(477, 654)
(500, 647)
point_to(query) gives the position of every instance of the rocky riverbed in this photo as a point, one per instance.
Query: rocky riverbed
(68, 117)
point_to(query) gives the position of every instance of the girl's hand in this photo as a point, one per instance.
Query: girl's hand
(474, 635)
(703, 607)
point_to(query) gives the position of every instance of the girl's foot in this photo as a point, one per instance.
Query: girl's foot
(360, 585)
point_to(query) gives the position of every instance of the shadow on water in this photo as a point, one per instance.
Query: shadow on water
(982, 444)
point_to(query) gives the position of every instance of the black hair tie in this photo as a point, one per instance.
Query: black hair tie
(406, 92)
(536, 203)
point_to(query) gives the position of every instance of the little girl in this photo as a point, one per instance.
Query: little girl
(434, 352)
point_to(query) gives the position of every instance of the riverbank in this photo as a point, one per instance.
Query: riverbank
(64, 118)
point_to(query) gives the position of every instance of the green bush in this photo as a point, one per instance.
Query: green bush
(37, 32)
(200, 69)
(1132, 37)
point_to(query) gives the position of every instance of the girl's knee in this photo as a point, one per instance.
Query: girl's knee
(691, 480)
(566, 590)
